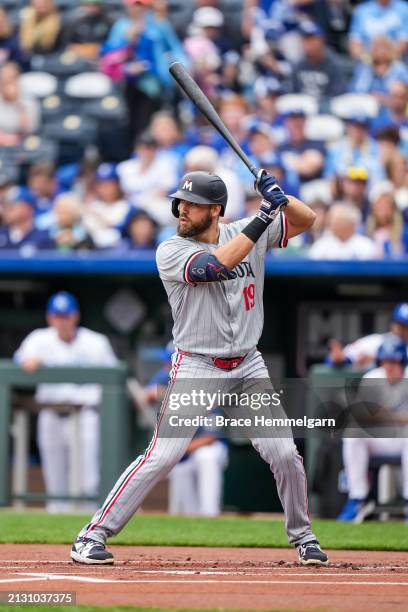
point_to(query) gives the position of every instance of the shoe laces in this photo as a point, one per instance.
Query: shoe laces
(86, 540)
(314, 545)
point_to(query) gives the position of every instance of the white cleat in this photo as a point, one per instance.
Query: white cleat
(90, 552)
(311, 554)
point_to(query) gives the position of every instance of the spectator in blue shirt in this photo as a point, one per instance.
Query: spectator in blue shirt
(355, 149)
(149, 42)
(394, 113)
(299, 153)
(139, 232)
(321, 72)
(377, 76)
(141, 61)
(18, 231)
(43, 184)
(10, 50)
(287, 179)
(266, 91)
(378, 18)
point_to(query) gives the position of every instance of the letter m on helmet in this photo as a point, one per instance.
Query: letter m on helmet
(188, 185)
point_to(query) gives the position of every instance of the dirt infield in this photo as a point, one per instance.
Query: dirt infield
(213, 578)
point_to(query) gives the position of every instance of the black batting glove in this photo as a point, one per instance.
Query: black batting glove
(267, 186)
(273, 198)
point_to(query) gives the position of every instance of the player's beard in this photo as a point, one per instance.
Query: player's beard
(190, 230)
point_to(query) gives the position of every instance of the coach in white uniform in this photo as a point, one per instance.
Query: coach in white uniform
(64, 343)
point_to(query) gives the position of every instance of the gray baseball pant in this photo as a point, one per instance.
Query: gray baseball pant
(163, 453)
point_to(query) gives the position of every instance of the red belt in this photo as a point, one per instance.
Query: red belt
(224, 363)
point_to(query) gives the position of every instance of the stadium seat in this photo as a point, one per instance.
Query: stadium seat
(114, 4)
(180, 15)
(8, 171)
(109, 107)
(385, 471)
(54, 107)
(348, 104)
(293, 102)
(88, 85)
(72, 128)
(35, 148)
(72, 133)
(232, 10)
(65, 5)
(113, 133)
(324, 127)
(12, 4)
(62, 65)
(38, 84)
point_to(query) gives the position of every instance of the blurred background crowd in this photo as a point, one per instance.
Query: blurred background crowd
(94, 133)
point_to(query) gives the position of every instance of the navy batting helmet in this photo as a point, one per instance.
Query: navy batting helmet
(200, 188)
(392, 349)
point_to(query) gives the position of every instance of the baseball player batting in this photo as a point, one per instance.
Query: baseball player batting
(214, 275)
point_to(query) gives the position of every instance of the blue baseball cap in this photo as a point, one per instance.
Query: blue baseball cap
(260, 127)
(20, 194)
(295, 112)
(267, 86)
(310, 28)
(62, 303)
(392, 349)
(358, 119)
(107, 172)
(400, 314)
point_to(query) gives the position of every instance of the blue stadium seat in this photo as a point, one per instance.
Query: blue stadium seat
(72, 134)
(62, 65)
(113, 134)
(33, 149)
(55, 107)
(110, 107)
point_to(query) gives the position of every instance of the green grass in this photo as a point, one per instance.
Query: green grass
(143, 530)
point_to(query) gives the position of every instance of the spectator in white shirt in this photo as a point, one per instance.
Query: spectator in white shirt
(340, 240)
(19, 114)
(148, 178)
(104, 215)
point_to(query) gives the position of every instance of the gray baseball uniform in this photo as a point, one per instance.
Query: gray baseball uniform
(211, 320)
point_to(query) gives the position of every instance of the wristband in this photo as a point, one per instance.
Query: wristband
(255, 229)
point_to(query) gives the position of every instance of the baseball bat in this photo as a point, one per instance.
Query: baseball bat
(196, 95)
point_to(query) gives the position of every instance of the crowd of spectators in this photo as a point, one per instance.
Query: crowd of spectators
(88, 164)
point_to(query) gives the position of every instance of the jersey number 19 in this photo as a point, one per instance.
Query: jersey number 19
(249, 296)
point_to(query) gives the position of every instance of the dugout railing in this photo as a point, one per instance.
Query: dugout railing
(116, 440)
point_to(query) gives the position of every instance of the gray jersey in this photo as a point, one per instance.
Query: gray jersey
(220, 319)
